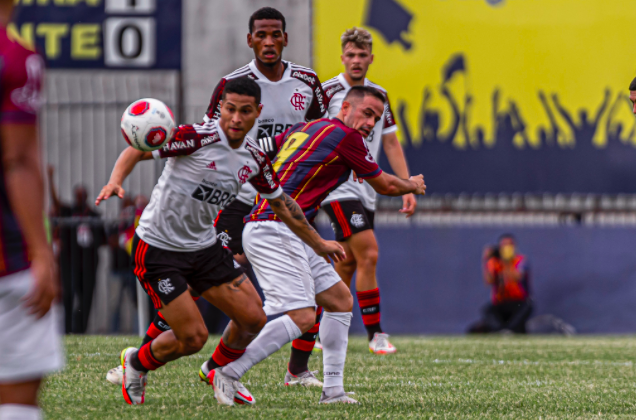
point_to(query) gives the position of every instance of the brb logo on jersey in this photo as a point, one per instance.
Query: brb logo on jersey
(298, 101)
(244, 173)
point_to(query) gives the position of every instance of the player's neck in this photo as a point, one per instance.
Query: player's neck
(352, 82)
(273, 73)
(234, 144)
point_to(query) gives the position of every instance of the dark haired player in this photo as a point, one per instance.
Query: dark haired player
(29, 339)
(289, 94)
(632, 94)
(313, 159)
(175, 244)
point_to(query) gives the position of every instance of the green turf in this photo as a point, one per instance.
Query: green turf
(438, 377)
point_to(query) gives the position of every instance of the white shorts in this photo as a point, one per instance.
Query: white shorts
(29, 347)
(290, 273)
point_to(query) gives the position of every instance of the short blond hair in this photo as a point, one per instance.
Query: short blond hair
(360, 37)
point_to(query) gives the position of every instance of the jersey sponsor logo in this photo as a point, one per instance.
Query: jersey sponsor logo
(357, 220)
(333, 90)
(140, 108)
(298, 101)
(244, 173)
(321, 100)
(210, 139)
(178, 145)
(28, 97)
(272, 130)
(211, 165)
(304, 76)
(156, 136)
(213, 195)
(166, 287)
(225, 238)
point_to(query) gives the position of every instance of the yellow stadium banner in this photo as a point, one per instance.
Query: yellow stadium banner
(486, 74)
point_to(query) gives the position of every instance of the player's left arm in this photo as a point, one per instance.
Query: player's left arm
(319, 106)
(397, 160)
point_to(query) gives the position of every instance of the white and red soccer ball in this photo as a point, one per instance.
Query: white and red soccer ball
(147, 124)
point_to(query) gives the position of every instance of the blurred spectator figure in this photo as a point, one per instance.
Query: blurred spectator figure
(507, 273)
(80, 233)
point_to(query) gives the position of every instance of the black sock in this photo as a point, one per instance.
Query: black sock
(302, 348)
(157, 326)
(136, 364)
(372, 329)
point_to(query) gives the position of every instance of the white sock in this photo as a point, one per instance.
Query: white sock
(334, 337)
(20, 412)
(274, 335)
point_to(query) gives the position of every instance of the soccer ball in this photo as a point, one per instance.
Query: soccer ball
(147, 124)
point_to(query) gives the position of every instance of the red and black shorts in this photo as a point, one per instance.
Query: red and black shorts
(229, 225)
(348, 217)
(165, 275)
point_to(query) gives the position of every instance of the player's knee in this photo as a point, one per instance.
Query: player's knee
(304, 320)
(348, 265)
(369, 259)
(256, 323)
(194, 342)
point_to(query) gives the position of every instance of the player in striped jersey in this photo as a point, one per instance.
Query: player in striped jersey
(313, 160)
(351, 207)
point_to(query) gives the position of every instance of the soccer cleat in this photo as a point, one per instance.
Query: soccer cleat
(380, 344)
(317, 345)
(343, 398)
(133, 385)
(242, 394)
(116, 375)
(223, 387)
(305, 379)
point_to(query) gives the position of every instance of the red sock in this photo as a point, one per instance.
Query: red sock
(302, 347)
(369, 302)
(144, 358)
(223, 355)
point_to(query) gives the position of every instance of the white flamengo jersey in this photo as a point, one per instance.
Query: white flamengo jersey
(336, 89)
(202, 176)
(296, 97)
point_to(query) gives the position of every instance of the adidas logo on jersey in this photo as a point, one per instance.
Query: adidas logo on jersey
(212, 166)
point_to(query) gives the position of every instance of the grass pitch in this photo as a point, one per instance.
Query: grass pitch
(430, 377)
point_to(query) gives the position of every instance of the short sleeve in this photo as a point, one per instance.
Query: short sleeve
(265, 181)
(389, 119)
(319, 103)
(21, 89)
(357, 156)
(188, 139)
(214, 109)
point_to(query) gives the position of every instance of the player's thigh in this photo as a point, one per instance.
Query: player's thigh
(24, 393)
(364, 247)
(336, 298)
(29, 347)
(184, 317)
(239, 300)
(348, 217)
(281, 265)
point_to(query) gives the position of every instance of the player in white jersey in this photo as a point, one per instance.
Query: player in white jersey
(351, 206)
(175, 245)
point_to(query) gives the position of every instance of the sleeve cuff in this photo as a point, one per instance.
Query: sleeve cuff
(277, 193)
(156, 154)
(389, 130)
(373, 174)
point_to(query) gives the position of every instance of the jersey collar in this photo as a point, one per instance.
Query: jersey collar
(261, 76)
(343, 81)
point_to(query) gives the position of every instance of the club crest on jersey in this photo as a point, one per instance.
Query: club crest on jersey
(357, 220)
(211, 166)
(244, 174)
(156, 136)
(139, 108)
(165, 286)
(298, 101)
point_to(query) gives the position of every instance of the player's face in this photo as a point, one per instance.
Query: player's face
(356, 61)
(632, 97)
(267, 40)
(363, 115)
(238, 114)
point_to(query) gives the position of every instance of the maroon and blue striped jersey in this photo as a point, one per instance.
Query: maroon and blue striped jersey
(314, 159)
(21, 72)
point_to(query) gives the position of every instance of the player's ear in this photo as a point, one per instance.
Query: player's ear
(342, 58)
(285, 38)
(249, 40)
(371, 62)
(259, 109)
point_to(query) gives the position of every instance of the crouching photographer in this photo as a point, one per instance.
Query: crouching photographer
(507, 274)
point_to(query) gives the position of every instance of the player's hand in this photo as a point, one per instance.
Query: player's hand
(408, 205)
(355, 177)
(45, 284)
(108, 191)
(331, 250)
(420, 186)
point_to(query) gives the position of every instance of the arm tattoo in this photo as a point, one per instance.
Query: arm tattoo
(294, 209)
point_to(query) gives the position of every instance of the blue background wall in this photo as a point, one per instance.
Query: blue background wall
(431, 283)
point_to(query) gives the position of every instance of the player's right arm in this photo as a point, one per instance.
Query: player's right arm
(126, 162)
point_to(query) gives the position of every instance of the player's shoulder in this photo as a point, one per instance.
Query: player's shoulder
(245, 71)
(253, 147)
(304, 74)
(333, 86)
(378, 87)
